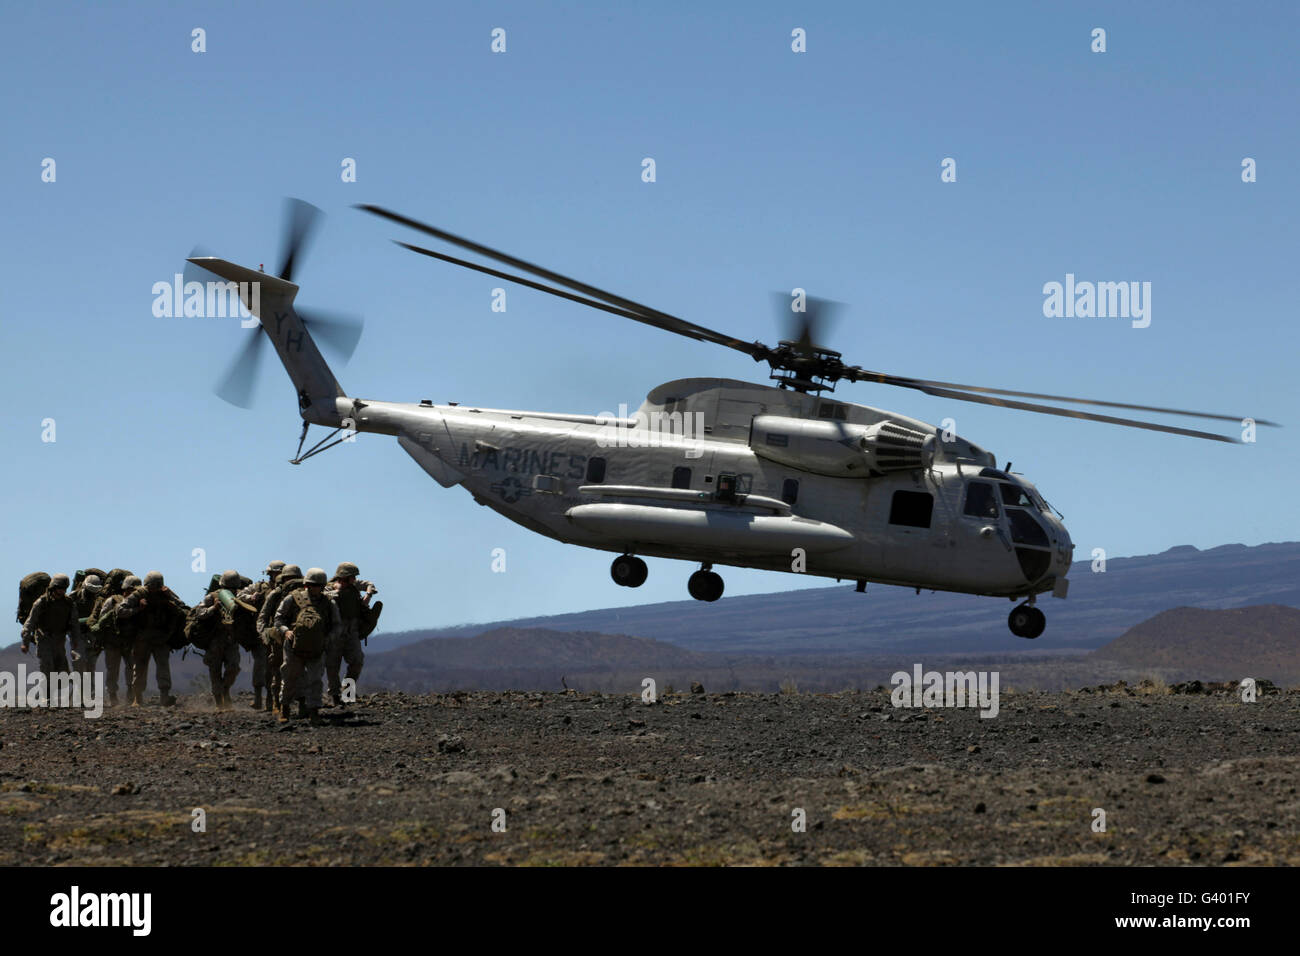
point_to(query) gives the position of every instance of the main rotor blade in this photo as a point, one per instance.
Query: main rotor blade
(806, 329)
(662, 320)
(884, 379)
(336, 330)
(236, 385)
(488, 270)
(300, 223)
(1047, 409)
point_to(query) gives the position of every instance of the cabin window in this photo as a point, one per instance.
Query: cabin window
(595, 470)
(980, 500)
(790, 490)
(833, 410)
(726, 489)
(681, 477)
(912, 509)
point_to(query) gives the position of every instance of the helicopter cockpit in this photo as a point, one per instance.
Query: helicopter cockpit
(1032, 527)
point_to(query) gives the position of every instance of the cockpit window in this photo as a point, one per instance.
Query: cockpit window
(981, 500)
(1016, 497)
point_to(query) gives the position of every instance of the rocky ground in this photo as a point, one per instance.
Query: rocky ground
(1183, 778)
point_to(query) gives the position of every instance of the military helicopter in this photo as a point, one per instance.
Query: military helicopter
(708, 470)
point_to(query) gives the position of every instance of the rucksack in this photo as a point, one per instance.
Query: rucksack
(309, 628)
(369, 618)
(29, 589)
(103, 621)
(81, 576)
(113, 582)
(201, 631)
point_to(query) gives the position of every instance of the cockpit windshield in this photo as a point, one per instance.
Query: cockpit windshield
(1016, 497)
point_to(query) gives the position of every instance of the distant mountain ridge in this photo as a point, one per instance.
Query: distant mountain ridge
(834, 620)
(1198, 643)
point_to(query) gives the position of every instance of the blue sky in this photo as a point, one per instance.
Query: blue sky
(774, 169)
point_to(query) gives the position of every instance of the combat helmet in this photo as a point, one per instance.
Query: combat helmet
(347, 570)
(316, 576)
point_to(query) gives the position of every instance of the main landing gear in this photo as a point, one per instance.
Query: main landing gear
(705, 584)
(628, 571)
(1027, 621)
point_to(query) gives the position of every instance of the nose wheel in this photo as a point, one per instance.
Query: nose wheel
(705, 585)
(628, 571)
(1027, 621)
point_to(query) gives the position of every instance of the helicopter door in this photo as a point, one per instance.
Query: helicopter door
(981, 518)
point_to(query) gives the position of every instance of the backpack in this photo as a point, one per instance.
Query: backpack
(243, 623)
(29, 589)
(103, 622)
(369, 618)
(81, 576)
(309, 628)
(113, 581)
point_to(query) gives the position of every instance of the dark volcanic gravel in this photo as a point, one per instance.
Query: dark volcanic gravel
(1196, 778)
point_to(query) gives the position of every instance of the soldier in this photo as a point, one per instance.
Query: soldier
(53, 616)
(289, 578)
(256, 594)
(310, 621)
(85, 598)
(153, 609)
(114, 640)
(353, 600)
(222, 652)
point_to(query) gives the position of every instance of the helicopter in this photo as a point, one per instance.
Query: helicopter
(713, 471)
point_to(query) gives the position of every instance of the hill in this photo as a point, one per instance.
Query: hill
(1195, 643)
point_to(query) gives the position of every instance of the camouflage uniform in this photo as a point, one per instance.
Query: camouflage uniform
(289, 578)
(353, 600)
(256, 594)
(53, 616)
(299, 671)
(112, 639)
(85, 597)
(222, 653)
(152, 609)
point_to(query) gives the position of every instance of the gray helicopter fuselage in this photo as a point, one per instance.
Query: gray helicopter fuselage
(734, 473)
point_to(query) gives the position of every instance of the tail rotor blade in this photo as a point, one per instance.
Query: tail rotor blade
(300, 222)
(338, 330)
(237, 384)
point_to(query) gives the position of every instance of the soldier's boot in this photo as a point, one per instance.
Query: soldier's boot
(269, 704)
(314, 714)
(216, 697)
(302, 708)
(281, 717)
(257, 698)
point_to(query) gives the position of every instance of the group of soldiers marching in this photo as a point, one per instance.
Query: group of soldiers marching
(298, 627)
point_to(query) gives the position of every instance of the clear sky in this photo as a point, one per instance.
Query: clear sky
(774, 169)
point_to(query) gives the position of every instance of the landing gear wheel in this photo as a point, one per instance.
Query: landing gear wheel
(705, 586)
(1027, 621)
(628, 571)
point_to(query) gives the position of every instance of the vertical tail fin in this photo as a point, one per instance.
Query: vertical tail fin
(271, 299)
